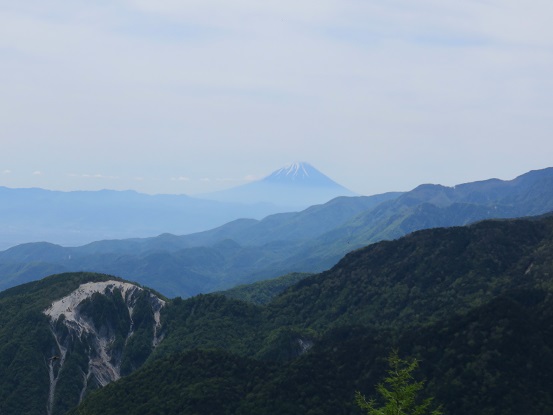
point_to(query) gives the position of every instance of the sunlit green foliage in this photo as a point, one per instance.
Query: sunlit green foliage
(399, 392)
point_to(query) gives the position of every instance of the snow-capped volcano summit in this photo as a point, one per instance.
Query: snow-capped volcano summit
(297, 172)
(297, 185)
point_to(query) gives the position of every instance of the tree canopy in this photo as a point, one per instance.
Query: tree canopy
(399, 391)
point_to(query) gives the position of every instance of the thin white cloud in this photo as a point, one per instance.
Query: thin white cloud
(7, 171)
(38, 173)
(93, 176)
(180, 179)
(227, 179)
(500, 20)
(218, 13)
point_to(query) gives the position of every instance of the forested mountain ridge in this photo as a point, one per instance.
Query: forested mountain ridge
(262, 292)
(313, 240)
(473, 302)
(431, 206)
(187, 265)
(424, 275)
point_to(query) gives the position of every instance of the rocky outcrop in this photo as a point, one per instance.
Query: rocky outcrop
(101, 330)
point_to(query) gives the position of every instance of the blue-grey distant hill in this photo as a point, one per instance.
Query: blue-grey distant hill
(298, 186)
(312, 240)
(79, 217)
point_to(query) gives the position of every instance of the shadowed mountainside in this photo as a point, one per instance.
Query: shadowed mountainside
(474, 303)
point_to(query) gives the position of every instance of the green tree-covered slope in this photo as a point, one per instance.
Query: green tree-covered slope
(262, 292)
(473, 303)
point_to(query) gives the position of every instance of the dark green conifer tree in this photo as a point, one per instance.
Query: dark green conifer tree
(399, 392)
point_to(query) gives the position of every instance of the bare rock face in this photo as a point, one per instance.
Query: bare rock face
(102, 330)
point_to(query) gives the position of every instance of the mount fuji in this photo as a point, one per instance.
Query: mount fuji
(296, 186)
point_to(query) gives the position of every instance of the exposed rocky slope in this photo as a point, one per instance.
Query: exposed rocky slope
(90, 336)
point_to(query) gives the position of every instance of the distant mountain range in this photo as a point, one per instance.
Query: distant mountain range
(473, 303)
(297, 185)
(312, 240)
(79, 217)
(75, 218)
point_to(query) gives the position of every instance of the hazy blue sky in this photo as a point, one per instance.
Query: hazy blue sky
(185, 96)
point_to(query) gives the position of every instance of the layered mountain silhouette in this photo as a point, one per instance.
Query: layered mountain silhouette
(76, 218)
(79, 217)
(295, 186)
(311, 240)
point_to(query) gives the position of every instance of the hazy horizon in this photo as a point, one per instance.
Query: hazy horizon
(237, 183)
(166, 97)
